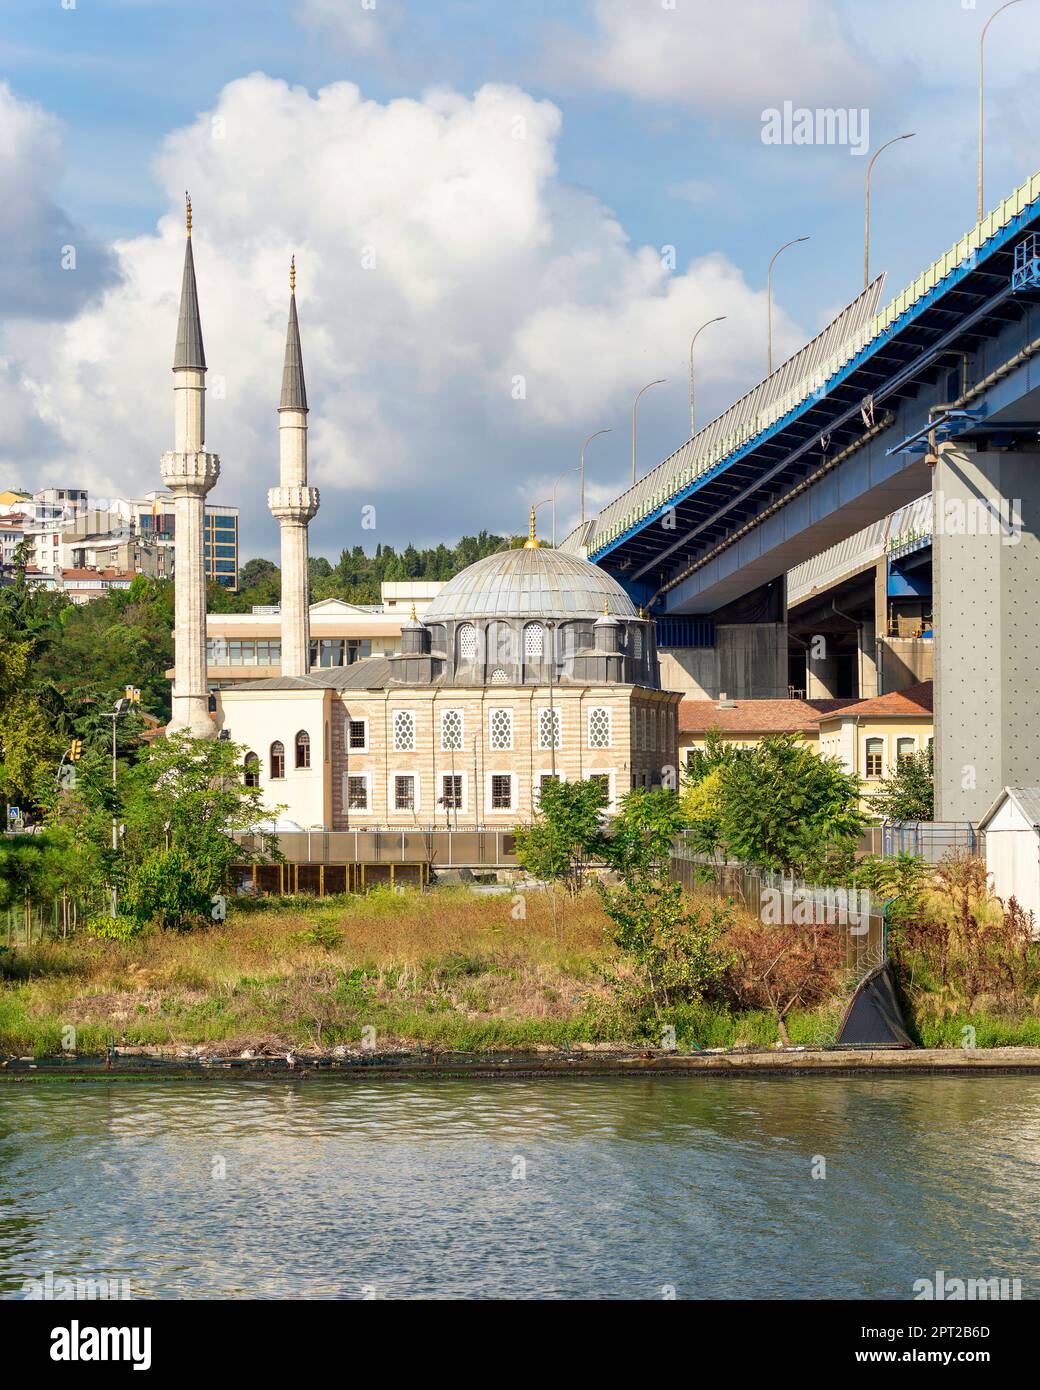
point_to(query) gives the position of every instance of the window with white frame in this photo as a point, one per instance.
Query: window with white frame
(404, 731)
(599, 727)
(875, 757)
(357, 734)
(467, 642)
(357, 793)
(500, 729)
(501, 791)
(451, 791)
(550, 729)
(404, 791)
(452, 730)
(541, 781)
(534, 641)
(905, 749)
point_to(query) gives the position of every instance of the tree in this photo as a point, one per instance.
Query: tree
(565, 834)
(787, 809)
(675, 946)
(909, 794)
(643, 832)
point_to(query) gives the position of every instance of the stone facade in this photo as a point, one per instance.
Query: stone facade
(381, 757)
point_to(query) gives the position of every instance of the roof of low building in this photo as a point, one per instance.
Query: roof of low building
(1025, 799)
(754, 716)
(913, 702)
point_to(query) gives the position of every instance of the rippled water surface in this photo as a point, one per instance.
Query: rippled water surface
(533, 1189)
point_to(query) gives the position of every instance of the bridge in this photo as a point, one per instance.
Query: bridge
(936, 392)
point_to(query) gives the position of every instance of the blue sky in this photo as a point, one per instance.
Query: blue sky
(650, 136)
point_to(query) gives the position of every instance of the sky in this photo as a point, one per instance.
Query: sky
(507, 219)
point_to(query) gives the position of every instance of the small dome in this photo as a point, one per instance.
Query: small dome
(535, 582)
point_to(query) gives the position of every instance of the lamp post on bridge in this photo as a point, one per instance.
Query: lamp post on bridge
(557, 483)
(693, 340)
(769, 302)
(866, 235)
(982, 40)
(581, 485)
(660, 381)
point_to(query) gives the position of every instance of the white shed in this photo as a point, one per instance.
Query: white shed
(1012, 829)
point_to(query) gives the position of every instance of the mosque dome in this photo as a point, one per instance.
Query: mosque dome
(533, 582)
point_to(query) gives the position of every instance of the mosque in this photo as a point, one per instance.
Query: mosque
(530, 664)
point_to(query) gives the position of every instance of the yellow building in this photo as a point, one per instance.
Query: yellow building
(868, 736)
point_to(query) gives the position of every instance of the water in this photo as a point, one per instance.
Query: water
(522, 1189)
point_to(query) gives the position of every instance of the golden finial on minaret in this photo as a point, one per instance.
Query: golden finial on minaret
(642, 613)
(606, 607)
(532, 542)
(187, 202)
(292, 277)
(414, 615)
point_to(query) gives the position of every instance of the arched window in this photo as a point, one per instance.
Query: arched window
(303, 749)
(277, 760)
(251, 767)
(467, 642)
(534, 641)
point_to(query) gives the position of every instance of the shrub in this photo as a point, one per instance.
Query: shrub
(114, 928)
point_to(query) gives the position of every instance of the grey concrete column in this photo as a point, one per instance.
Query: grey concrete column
(986, 573)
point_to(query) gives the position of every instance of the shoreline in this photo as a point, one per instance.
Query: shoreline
(152, 1064)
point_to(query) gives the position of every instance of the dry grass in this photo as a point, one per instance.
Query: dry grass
(452, 966)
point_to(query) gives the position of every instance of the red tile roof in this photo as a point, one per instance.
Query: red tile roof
(914, 700)
(755, 716)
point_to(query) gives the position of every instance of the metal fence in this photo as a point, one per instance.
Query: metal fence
(859, 921)
(443, 849)
(930, 840)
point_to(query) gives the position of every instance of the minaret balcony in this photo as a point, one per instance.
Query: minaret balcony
(297, 504)
(190, 473)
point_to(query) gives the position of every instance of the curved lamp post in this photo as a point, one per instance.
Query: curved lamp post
(700, 330)
(866, 235)
(660, 380)
(769, 302)
(581, 486)
(982, 73)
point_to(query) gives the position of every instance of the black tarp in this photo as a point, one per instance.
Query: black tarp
(874, 1018)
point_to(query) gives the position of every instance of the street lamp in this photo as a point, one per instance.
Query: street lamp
(660, 380)
(557, 483)
(692, 341)
(133, 697)
(866, 236)
(769, 302)
(581, 485)
(982, 39)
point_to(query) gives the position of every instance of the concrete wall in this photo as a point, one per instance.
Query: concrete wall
(987, 629)
(905, 661)
(748, 662)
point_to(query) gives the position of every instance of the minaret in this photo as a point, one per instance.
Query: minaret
(293, 503)
(189, 473)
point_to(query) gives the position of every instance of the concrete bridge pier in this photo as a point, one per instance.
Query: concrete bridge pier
(986, 573)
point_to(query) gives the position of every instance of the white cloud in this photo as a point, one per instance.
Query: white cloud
(486, 267)
(364, 29)
(722, 59)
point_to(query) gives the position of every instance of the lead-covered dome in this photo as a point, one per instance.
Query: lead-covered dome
(534, 582)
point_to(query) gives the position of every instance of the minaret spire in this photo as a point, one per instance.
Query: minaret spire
(189, 354)
(293, 503)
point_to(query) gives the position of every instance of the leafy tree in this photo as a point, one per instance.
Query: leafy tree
(786, 808)
(565, 835)
(782, 966)
(643, 833)
(675, 945)
(909, 794)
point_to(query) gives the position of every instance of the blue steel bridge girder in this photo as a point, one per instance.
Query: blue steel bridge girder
(962, 314)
